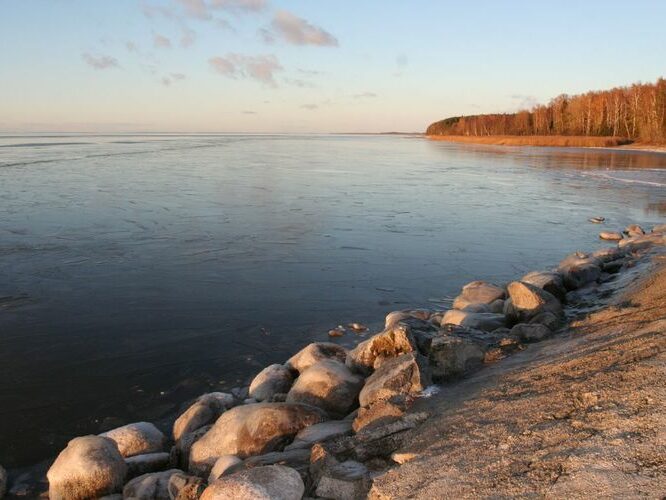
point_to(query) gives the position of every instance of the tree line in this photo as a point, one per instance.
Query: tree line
(636, 112)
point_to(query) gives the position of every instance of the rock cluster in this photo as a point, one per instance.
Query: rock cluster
(322, 422)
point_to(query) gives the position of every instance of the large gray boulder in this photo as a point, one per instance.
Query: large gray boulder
(149, 462)
(272, 380)
(271, 482)
(320, 432)
(578, 270)
(405, 374)
(347, 480)
(390, 343)
(222, 466)
(529, 301)
(152, 486)
(185, 487)
(659, 228)
(314, 353)
(89, 467)
(252, 429)
(478, 292)
(642, 242)
(486, 322)
(451, 356)
(204, 411)
(380, 413)
(328, 385)
(137, 439)
(530, 332)
(547, 280)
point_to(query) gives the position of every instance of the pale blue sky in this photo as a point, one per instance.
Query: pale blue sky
(309, 66)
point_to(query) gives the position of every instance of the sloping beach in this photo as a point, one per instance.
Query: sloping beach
(581, 415)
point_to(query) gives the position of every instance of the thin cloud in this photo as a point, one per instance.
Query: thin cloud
(195, 8)
(310, 107)
(131, 47)
(524, 101)
(100, 62)
(187, 37)
(173, 77)
(309, 72)
(296, 82)
(248, 112)
(261, 68)
(298, 31)
(161, 42)
(365, 95)
(239, 5)
(402, 60)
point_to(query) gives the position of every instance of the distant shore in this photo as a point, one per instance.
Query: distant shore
(552, 141)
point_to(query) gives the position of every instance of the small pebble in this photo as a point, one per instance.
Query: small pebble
(597, 220)
(358, 327)
(336, 332)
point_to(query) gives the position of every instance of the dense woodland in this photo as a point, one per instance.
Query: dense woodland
(637, 112)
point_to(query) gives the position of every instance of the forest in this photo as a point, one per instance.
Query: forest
(636, 112)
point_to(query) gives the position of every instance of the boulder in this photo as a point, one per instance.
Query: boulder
(578, 270)
(381, 412)
(180, 453)
(610, 235)
(222, 466)
(314, 353)
(390, 343)
(252, 430)
(479, 321)
(528, 301)
(406, 374)
(89, 467)
(272, 482)
(497, 306)
(320, 432)
(137, 439)
(478, 308)
(204, 411)
(328, 385)
(530, 332)
(634, 230)
(3, 481)
(272, 380)
(454, 355)
(347, 480)
(547, 280)
(143, 464)
(548, 319)
(298, 459)
(478, 292)
(642, 242)
(185, 487)
(153, 486)
(659, 228)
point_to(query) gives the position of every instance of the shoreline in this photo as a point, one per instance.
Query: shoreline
(606, 143)
(477, 334)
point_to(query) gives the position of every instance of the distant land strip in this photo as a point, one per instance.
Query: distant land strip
(606, 118)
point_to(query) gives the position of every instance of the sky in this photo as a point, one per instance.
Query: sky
(309, 66)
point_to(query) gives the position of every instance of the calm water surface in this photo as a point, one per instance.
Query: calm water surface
(138, 272)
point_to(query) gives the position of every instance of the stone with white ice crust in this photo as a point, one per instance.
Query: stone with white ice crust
(328, 385)
(89, 467)
(204, 411)
(314, 353)
(272, 380)
(478, 292)
(253, 429)
(406, 374)
(271, 482)
(528, 301)
(392, 342)
(154, 485)
(137, 438)
(476, 320)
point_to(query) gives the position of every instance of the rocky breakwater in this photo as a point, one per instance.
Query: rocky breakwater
(329, 419)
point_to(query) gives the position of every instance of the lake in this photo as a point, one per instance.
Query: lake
(137, 272)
